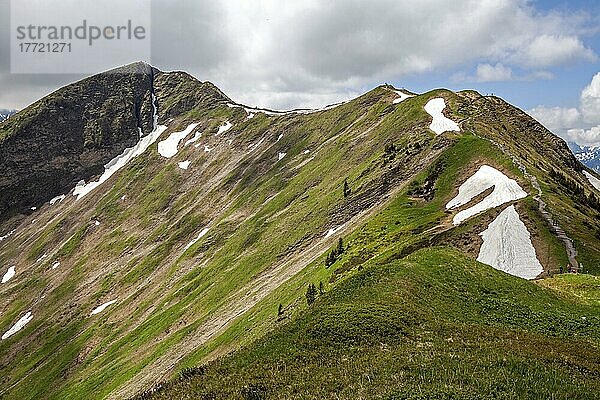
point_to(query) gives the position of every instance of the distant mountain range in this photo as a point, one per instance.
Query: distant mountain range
(588, 155)
(4, 114)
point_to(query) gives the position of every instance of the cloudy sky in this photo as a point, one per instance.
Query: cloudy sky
(543, 56)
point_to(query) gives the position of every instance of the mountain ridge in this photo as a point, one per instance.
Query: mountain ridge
(189, 264)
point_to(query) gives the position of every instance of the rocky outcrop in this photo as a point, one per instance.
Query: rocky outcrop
(178, 93)
(69, 135)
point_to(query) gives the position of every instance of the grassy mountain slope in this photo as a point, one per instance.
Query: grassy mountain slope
(267, 218)
(434, 324)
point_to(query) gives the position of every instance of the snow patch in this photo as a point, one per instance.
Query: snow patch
(168, 147)
(58, 199)
(97, 223)
(208, 149)
(507, 246)
(42, 257)
(224, 128)
(402, 96)
(279, 138)
(505, 190)
(197, 136)
(193, 242)
(333, 230)
(280, 156)
(250, 116)
(56, 265)
(253, 147)
(184, 164)
(9, 234)
(120, 161)
(440, 123)
(306, 152)
(593, 180)
(9, 274)
(33, 208)
(18, 325)
(101, 308)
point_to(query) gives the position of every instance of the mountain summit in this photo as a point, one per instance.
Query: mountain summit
(151, 228)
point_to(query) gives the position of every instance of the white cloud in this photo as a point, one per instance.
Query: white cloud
(585, 137)
(590, 101)
(550, 50)
(580, 125)
(283, 54)
(304, 47)
(556, 119)
(499, 73)
(493, 73)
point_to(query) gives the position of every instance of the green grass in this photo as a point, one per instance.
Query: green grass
(432, 325)
(581, 288)
(381, 310)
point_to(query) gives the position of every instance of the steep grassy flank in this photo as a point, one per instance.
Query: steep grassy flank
(433, 325)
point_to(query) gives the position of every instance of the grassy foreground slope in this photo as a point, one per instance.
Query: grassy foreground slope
(435, 324)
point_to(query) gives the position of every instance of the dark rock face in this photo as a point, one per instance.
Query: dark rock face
(71, 134)
(178, 93)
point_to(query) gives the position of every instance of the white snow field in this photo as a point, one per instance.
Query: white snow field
(101, 308)
(505, 190)
(9, 274)
(593, 180)
(440, 123)
(402, 96)
(168, 147)
(120, 161)
(224, 128)
(280, 156)
(193, 242)
(184, 164)
(333, 231)
(18, 325)
(507, 246)
(58, 199)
